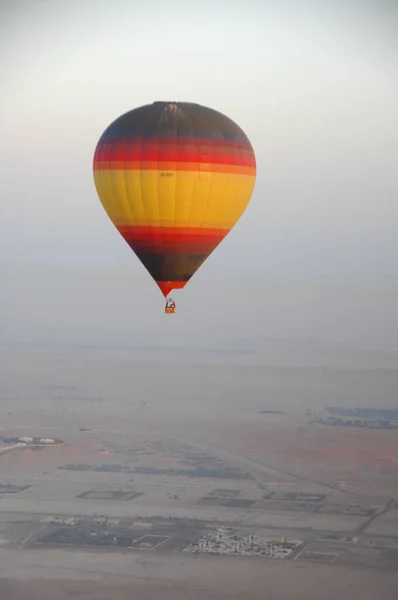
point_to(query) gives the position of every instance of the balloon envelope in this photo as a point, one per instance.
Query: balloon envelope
(174, 178)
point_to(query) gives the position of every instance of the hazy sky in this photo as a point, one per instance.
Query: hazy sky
(314, 84)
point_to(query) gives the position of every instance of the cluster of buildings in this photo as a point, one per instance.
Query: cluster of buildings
(36, 441)
(8, 444)
(60, 520)
(225, 541)
(370, 418)
(33, 440)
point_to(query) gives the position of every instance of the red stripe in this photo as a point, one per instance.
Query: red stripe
(167, 286)
(184, 247)
(170, 240)
(170, 232)
(174, 156)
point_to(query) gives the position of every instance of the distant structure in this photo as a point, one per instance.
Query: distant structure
(31, 441)
(369, 418)
(226, 541)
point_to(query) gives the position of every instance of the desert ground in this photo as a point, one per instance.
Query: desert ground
(131, 457)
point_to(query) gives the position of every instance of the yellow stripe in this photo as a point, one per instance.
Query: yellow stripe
(174, 198)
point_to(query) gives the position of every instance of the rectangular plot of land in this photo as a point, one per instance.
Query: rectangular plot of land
(288, 506)
(68, 536)
(226, 502)
(224, 493)
(321, 557)
(340, 509)
(390, 555)
(211, 501)
(336, 537)
(109, 495)
(239, 503)
(149, 542)
(100, 537)
(6, 489)
(295, 497)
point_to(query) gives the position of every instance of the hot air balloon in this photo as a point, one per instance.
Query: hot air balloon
(174, 178)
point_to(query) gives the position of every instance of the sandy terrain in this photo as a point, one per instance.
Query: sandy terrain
(60, 575)
(365, 459)
(59, 395)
